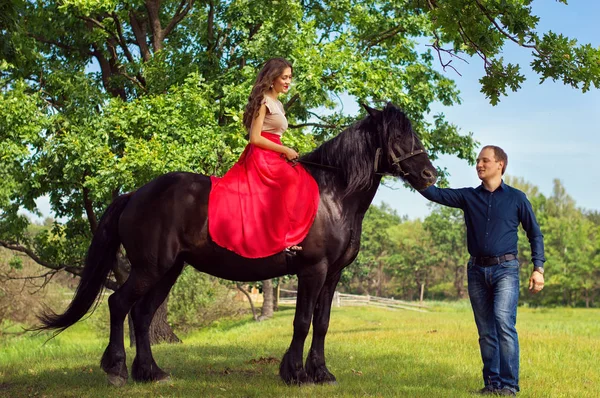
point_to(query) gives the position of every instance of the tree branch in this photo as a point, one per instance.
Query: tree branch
(501, 30)
(104, 66)
(431, 4)
(237, 284)
(222, 40)
(439, 50)
(318, 117)
(179, 15)
(93, 21)
(210, 32)
(478, 50)
(253, 30)
(47, 278)
(22, 249)
(291, 102)
(58, 44)
(153, 6)
(74, 270)
(89, 208)
(108, 68)
(122, 40)
(325, 126)
(375, 39)
(134, 80)
(139, 32)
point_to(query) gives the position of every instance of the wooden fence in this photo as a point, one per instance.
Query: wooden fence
(344, 300)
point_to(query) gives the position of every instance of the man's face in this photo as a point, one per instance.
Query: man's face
(487, 165)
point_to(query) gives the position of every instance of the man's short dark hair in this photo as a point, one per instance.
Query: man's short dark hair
(499, 154)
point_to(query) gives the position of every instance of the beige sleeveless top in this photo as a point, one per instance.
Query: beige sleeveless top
(275, 121)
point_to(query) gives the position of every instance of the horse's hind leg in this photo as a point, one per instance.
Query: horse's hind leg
(120, 302)
(315, 362)
(144, 366)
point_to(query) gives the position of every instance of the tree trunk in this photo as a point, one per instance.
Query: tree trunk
(422, 292)
(160, 330)
(267, 307)
(459, 282)
(276, 298)
(240, 288)
(587, 298)
(380, 278)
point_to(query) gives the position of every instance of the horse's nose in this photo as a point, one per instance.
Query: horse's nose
(428, 174)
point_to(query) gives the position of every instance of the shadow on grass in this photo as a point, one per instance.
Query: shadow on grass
(224, 326)
(239, 371)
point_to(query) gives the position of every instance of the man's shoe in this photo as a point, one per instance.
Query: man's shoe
(505, 391)
(487, 390)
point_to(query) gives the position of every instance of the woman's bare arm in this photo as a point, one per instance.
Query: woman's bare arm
(257, 139)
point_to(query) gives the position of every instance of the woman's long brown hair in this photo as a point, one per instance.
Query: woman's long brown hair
(272, 69)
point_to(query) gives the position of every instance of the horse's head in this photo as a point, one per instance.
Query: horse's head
(402, 154)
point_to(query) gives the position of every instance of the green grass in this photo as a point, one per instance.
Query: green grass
(373, 353)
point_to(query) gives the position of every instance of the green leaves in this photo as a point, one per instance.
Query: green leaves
(15, 262)
(561, 59)
(481, 28)
(499, 77)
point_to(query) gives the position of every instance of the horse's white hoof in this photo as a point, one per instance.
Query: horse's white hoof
(117, 381)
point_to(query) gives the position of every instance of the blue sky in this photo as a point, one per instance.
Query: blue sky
(549, 131)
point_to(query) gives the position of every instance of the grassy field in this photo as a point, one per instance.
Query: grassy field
(373, 353)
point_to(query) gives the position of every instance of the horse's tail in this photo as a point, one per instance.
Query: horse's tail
(100, 259)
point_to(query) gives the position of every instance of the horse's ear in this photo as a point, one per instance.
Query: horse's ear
(371, 111)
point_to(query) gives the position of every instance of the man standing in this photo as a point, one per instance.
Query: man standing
(493, 212)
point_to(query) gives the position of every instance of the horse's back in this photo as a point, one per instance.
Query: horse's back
(176, 191)
(167, 214)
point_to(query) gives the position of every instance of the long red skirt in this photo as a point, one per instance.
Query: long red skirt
(263, 204)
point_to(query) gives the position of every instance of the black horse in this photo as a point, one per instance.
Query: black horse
(163, 225)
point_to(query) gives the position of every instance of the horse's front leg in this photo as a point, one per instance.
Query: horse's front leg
(315, 362)
(309, 286)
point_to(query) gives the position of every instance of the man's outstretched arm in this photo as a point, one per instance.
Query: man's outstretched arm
(445, 196)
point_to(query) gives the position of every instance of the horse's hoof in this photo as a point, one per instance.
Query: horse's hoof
(163, 380)
(326, 382)
(116, 380)
(302, 379)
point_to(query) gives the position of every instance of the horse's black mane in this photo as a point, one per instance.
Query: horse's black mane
(350, 156)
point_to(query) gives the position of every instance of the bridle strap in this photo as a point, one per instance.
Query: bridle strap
(404, 156)
(326, 166)
(396, 160)
(377, 157)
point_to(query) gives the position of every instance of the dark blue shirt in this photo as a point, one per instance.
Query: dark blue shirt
(493, 218)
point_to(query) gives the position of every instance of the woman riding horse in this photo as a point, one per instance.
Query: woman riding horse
(164, 224)
(265, 203)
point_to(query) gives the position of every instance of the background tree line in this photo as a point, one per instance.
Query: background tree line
(412, 259)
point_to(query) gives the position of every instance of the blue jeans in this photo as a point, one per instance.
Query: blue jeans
(494, 294)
